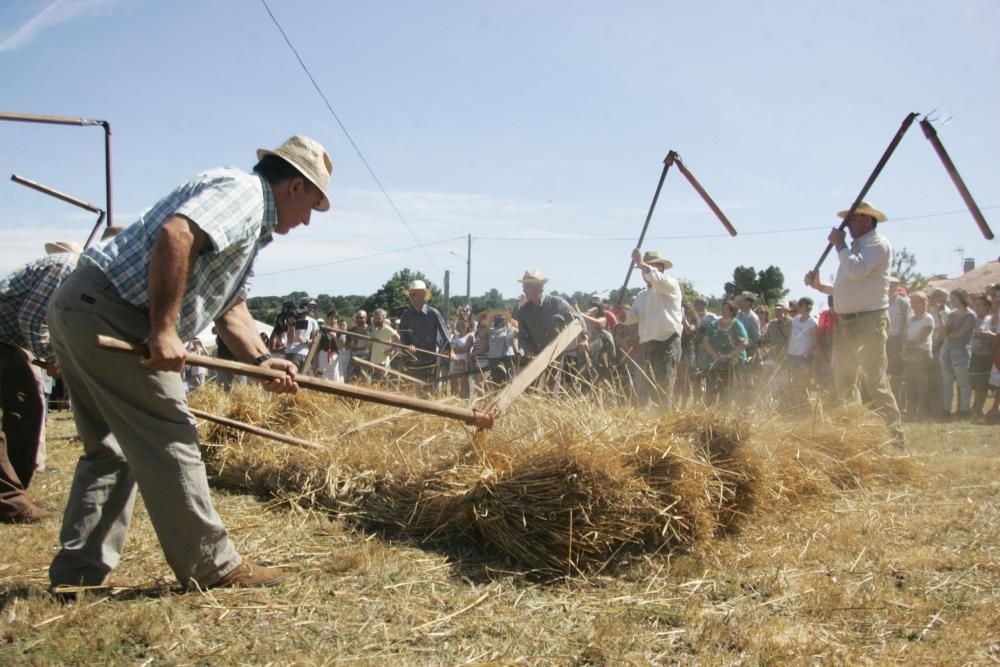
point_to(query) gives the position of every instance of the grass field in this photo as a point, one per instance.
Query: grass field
(889, 573)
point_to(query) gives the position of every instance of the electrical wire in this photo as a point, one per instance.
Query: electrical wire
(347, 134)
(763, 232)
(360, 257)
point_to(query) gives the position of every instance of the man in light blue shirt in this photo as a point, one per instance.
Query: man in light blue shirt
(187, 262)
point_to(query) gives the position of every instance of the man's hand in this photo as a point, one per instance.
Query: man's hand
(283, 385)
(52, 369)
(166, 352)
(836, 236)
(810, 279)
(637, 258)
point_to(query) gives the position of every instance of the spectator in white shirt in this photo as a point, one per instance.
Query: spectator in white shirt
(918, 364)
(657, 309)
(861, 298)
(801, 346)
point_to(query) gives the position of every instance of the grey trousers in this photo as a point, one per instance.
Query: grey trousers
(137, 433)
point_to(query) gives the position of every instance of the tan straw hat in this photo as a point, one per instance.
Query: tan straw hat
(63, 246)
(864, 208)
(418, 285)
(310, 158)
(654, 257)
(533, 277)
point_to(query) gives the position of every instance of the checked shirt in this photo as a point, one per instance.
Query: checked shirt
(24, 296)
(234, 209)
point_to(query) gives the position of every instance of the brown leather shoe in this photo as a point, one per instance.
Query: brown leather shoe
(30, 514)
(247, 574)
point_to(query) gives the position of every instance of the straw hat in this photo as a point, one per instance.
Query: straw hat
(310, 158)
(111, 231)
(654, 257)
(63, 246)
(864, 208)
(533, 277)
(418, 285)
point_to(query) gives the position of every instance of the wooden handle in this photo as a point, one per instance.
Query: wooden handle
(476, 418)
(256, 430)
(364, 363)
(956, 178)
(868, 184)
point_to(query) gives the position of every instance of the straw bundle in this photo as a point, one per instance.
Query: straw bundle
(558, 487)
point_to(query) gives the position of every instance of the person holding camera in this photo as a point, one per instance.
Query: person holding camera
(302, 328)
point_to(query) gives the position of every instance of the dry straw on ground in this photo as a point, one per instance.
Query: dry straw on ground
(557, 487)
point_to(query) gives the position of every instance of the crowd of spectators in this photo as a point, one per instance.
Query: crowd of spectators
(939, 349)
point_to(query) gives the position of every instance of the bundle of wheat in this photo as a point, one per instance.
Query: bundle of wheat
(557, 487)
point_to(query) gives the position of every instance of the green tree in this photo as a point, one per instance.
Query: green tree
(391, 297)
(903, 267)
(492, 300)
(768, 285)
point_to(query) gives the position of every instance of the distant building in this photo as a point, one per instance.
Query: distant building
(974, 280)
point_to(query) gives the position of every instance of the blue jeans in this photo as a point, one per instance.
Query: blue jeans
(955, 368)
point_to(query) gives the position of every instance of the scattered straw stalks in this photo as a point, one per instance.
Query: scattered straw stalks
(557, 487)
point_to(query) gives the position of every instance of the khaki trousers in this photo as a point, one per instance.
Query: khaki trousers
(137, 434)
(859, 352)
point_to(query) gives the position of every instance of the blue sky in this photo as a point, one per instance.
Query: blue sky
(537, 127)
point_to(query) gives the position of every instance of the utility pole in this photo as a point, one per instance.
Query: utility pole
(447, 294)
(468, 272)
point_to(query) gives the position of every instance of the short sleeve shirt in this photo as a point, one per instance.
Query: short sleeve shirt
(233, 208)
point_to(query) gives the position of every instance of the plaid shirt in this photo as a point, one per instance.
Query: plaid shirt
(234, 209)
(24, 296)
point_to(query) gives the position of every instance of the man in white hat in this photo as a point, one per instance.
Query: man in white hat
(422, 327)
(657, 310)
(24, 297)
(541, 316)
(861, 299)
(185, 264)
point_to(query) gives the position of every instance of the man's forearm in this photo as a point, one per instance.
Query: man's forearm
(239, 331)
(170, 263)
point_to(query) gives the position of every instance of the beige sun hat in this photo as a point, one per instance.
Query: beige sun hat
(417, 285)
(63, 246)
(533, 277)
(111, 231)
(654, 257)
(310, 158)
(864, 208)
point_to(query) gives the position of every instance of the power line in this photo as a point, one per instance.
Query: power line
(347, 134)
(356, 259)
(765, 232)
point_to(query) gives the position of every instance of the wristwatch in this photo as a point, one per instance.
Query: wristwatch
(262, 358)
